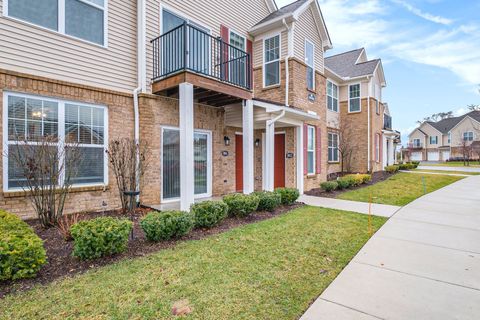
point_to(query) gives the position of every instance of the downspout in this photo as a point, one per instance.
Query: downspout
(272, 121)
(368, 127)
(287, 57)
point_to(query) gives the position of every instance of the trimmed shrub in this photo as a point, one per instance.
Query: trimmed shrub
(392, 169)
(208, 214)
(329, 186)
(343, 184)
(166, 225)
(100, 237)
(268, 200)
(407, 166)
(288, 195)
(366, 178)
(241, 205)
(21, 251)
(354, 179)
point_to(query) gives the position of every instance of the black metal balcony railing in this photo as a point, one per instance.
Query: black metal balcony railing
(387, 122)
(415, 145)
(187, 47)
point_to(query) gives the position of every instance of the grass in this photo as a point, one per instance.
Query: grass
(399, 189)
(452, 172)
(268, 270)
(454, 164)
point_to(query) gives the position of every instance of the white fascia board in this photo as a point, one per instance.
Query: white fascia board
(269, 107)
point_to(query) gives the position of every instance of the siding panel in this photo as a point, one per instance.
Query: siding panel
(306, 29)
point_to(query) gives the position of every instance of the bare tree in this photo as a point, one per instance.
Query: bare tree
(45, 169)
(346, 144)
(129, 161)
(466, 147)
(473, 107)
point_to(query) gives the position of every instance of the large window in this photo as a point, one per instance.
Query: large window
(271, 65)
(416, 143)
(468, 136)
(83, 19)
(354, 98)
(311, 150)
(310, 62)
(332, 96)
(433, 139)
(237, 65)
(31, 118)
(333, 147)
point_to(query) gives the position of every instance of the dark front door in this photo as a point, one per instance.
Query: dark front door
(279, 180)
(239, 162)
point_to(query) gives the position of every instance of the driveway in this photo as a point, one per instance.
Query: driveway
(424, 263)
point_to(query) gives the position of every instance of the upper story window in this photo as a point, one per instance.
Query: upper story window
(271, 65)
(83, 19)
(468, 136)
(310, 62)
(376, 93)
(416, 142)
(333, 147)
(377, 147)
(449, 137)
(433, 139)
(354, 98)
(311, 150)
(332, 96)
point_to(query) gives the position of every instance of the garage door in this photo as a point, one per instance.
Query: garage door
(433, 156)
(416, 156)
(445, 155)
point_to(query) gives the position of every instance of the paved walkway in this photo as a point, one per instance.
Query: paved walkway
(382, 210)
(440, 173)
(446, 168)
(424, 263)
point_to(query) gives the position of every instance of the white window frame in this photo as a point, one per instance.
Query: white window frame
(264, 63)
(468, 133)
(61, 135)
(332, 147)
(61, 21)
(449, 137)
(313, 63)
(338, 93)
(312, 129)
(415, 144)
(359, 97)
(436, 140)
(209, 164)
(377, 147)
(230, 31)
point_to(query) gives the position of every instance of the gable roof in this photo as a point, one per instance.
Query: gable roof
(346, 64)
(446, 125)
(284, 11)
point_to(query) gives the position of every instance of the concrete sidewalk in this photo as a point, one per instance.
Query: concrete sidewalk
(447, 168)
(439, 173)
(424, 263)
(382, 210)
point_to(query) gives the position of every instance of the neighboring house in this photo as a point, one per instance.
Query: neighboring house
(230, 98)
(445, 139)
(355, 107)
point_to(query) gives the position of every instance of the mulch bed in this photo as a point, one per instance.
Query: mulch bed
(376, 177)
(61, 263)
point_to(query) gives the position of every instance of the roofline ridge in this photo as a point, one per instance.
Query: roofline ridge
(339, 54)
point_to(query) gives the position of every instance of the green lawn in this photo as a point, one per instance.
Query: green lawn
(453, 164)
(453, 172)
(399, 189)
(269, 270)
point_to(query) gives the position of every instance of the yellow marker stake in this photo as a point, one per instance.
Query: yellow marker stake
(370, 216)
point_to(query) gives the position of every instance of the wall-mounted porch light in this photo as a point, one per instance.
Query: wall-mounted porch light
(226, 140)
(257, 142)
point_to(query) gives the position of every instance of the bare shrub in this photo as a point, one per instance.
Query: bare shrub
(65, 223)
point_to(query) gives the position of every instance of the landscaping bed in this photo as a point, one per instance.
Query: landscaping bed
(61, 263)
(376, 177)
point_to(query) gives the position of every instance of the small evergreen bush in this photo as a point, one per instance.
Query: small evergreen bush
(208, 214)
(166, 225)
(241, 205)
(392, 169)
(329, 186)
(268, 200)
(288, 195)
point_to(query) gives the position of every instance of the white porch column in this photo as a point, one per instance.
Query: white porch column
(187, 172)
(299, 134)
(269, 156)
(391, 152)
(248, 150)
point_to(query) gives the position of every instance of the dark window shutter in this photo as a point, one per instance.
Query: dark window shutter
(250, 61)
(225, 35)
(305, 148)
(318, 150)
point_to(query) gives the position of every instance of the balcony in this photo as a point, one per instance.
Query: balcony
(387, 122)
(221, 73)
(415, 145)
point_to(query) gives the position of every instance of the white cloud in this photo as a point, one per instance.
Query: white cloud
(424, 15)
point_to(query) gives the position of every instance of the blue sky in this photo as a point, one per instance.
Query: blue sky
(430, 51)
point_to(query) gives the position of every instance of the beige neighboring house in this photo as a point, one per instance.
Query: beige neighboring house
(444, 140)
(230, 98)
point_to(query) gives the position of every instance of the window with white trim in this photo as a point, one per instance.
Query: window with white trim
(416, 142)
(433, 139)
(32, 118)
(468, 136)
(449, 137)
(310, 62)
(271, 64)
(311, 149)
(332, 96)
(83, 19)
(354, 98)
(333, 147)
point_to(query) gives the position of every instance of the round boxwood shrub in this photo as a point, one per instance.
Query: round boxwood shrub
(343, 184)
(21, 251)
(208, 214)
(288, 195)
(100, 237)
(329, 186)
(166, 225)
(241, 205)
(268, 200)
(392, 169)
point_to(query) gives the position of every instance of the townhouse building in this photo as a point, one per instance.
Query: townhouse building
(445, 139)
(234, 97)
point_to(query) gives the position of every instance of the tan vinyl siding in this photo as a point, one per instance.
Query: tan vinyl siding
(258, 49)
(306, 28)
(466, 125)
(238, 15)
(37, 51)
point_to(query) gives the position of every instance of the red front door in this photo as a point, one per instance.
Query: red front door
(279, 172)
(239, 162)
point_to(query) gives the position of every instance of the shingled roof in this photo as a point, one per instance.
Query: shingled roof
(345, 64)
(291, 8)
(445, 125)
